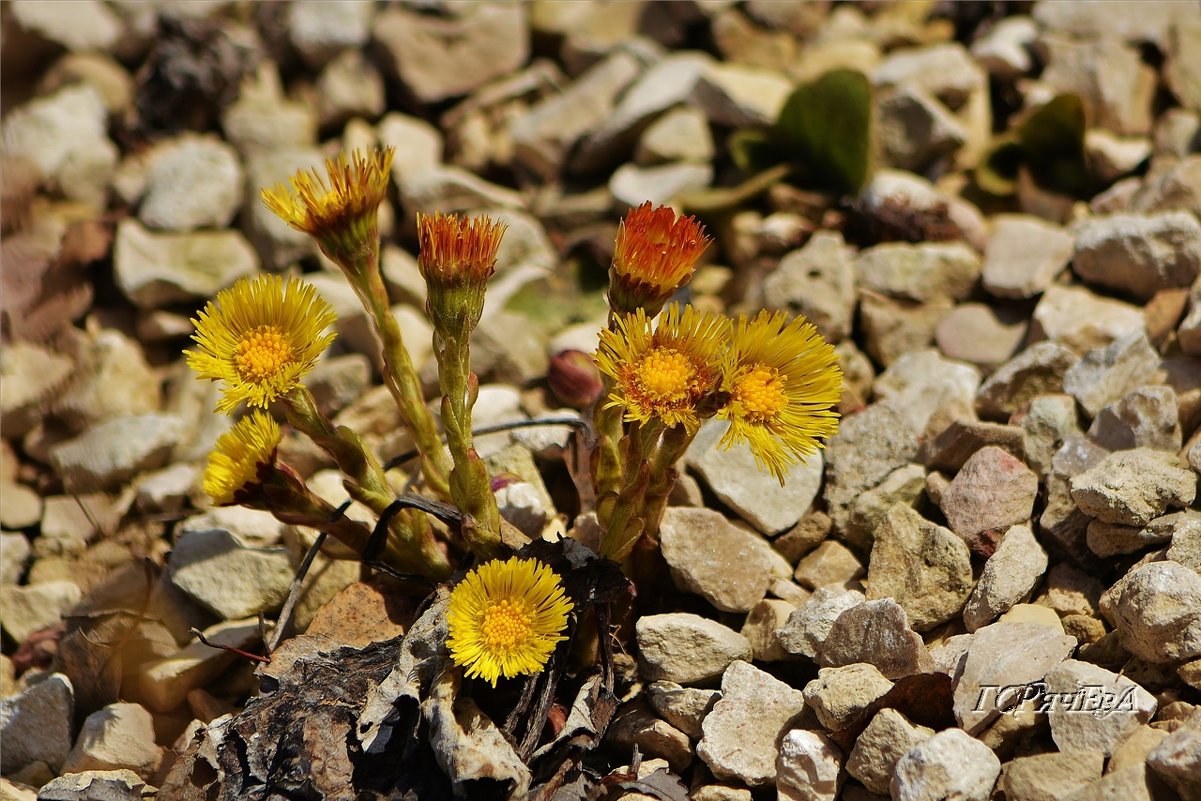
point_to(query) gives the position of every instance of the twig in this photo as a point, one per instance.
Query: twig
(448, 514)
(379, 535)
(88, 514)
(414, 578)
(198, 634)
(283, 623)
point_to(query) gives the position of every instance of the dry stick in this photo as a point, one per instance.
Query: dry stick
(89, 515)
(198, 634)
(527, 695)
(374, 546)
(294, 591)
(283, 623)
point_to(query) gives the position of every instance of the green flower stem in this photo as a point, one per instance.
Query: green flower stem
(292, 502)
(413, 538)
(671, 447)
(624, 527)
(400, 376)
(470, 486)
(626, 521)
(608, 467)
(642, 560)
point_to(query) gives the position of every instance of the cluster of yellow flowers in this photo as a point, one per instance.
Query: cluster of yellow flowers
(260, 337)
(775, 380)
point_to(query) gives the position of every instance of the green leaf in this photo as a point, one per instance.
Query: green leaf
(1053, 141)
(1054, 131)
(753, 150)
(997, 172)
(826, 127)
(1049, 145)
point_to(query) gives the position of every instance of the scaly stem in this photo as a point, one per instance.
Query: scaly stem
(608, 468)
(290, 501)
(470, 486)
(644, 562)
(400, 376)
(663, 476)
(413, 538)
(626, 519)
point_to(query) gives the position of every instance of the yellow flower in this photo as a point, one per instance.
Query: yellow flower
(242, 454)
(655, 254)
(339, 210)
(260, 337)
(783, 381)
(666, 373)
(505, 618)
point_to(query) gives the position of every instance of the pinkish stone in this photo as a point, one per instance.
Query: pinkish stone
(993, 491)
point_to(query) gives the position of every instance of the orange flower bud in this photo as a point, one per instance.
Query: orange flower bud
(655, 254)
(457, 257)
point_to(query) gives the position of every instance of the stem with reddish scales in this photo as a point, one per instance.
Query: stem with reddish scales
(367, 484)
(400, 377)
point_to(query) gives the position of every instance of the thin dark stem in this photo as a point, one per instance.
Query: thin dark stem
(562, 420)
(448, 514)
(238, 651)
(411, 578)
(379, 535)
(283, 624)
(83, 507)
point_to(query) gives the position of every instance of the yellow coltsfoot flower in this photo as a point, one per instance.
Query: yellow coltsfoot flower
(783, 382)
(666, 373)
(241, 459)
(260, 337)
(505, 618)
(339, 210)
(243, 469)
(655, 254)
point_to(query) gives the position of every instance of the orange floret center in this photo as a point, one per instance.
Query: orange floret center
(665, 376)
(760, 393)
(262, 354)
(506, 625)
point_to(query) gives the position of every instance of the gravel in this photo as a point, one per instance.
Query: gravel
(1019, 449)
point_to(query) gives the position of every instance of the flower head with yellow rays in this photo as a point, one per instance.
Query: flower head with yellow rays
(783, 382)
(655, 254)
(665, 372)
(242, 454)
(260, 337)
(505, 618)
(338, 210)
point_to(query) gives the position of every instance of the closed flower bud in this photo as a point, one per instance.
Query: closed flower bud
(655, 254)
(458, 256)
(574, 379)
